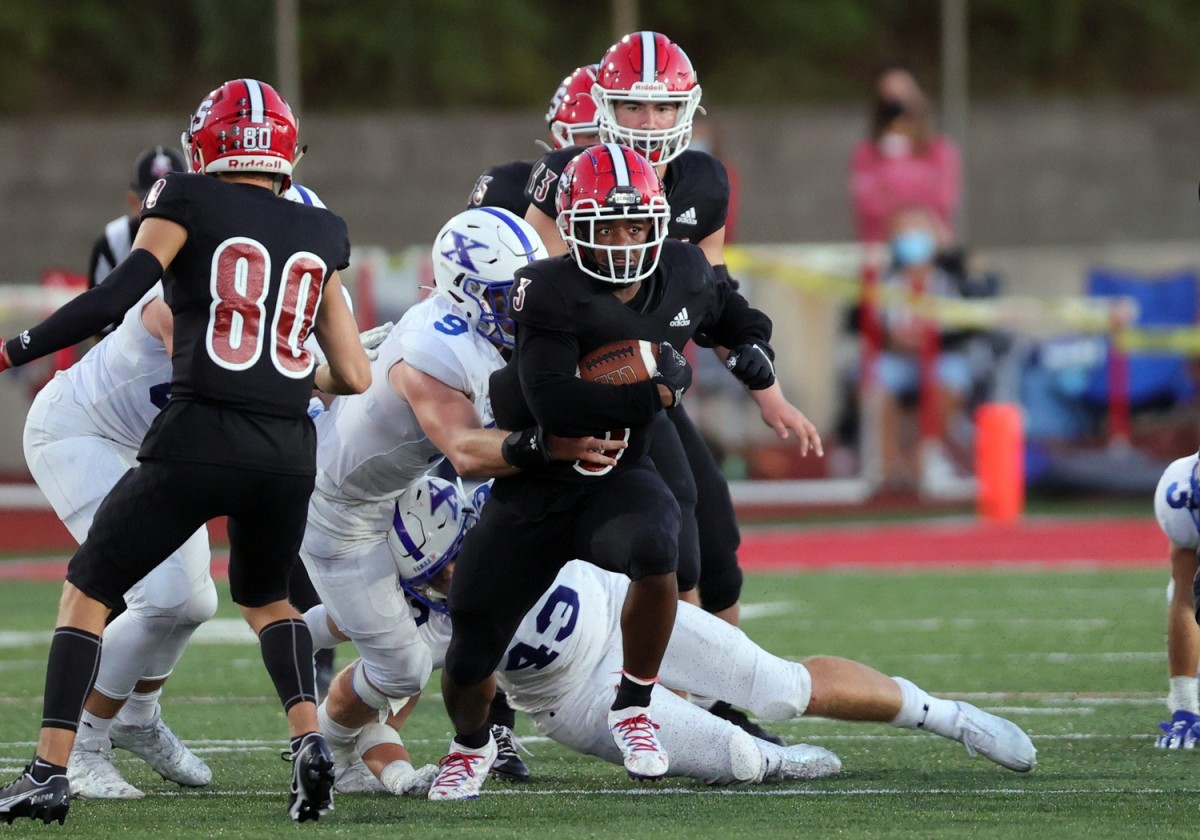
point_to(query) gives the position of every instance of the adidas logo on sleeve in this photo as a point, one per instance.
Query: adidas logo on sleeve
(681, 318)
(687, 217)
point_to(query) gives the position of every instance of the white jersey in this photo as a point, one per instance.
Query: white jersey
(371, 445)
(123, 381)
(1171, 503)
(558, 643)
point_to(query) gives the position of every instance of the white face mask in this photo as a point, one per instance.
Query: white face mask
(894, 145)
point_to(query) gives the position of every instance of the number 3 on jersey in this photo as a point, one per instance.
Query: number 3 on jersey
(237, 321)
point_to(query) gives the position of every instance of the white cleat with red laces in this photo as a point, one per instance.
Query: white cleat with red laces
(635, 735)
(463, 772)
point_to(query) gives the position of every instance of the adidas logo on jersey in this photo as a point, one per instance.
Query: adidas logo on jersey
(687, 217)
(681, 319)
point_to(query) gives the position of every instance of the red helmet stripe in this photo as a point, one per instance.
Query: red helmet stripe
(254, 93)
(620, 165)
(649, 56)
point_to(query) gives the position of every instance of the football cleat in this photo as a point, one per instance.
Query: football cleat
(159, 747)
(804, 761)
(311, 795)
(463, 772)
(508, 764)
(46, 801)
(739, 719)
(996, 738)
(634, 732)
(1180, 733)
(93, 775)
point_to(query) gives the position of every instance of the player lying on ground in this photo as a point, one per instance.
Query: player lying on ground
(562, 665)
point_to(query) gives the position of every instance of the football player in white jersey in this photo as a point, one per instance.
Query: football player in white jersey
(81, 434)
(1177, 508)
(428, 399)
(561, 667)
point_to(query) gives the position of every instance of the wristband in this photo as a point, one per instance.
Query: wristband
(524, 449)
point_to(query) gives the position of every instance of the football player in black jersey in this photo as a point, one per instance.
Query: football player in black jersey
(572, 122)
(248, 275)
(646, 96)
(623, 280)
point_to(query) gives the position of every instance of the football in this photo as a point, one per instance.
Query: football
(620, 363)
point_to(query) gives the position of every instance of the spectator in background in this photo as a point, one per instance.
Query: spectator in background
(903, 162)
(915, 272)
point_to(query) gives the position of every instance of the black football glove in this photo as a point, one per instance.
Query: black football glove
(673, 371)
(754, 364)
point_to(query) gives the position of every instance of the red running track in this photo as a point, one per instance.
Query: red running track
(963, 545)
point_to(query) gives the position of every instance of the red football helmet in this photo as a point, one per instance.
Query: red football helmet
(243, 126)
(573, 110)
(647, 67)
(603, 184)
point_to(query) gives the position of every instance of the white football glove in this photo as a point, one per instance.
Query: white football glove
(369, 339)
(372, 338)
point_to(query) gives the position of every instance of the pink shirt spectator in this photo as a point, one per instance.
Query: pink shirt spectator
(888, 175)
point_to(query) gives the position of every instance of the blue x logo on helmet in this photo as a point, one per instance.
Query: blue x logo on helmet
(429, 521)
(474, 258)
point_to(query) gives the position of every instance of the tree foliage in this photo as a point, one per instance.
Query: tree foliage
(133, 55)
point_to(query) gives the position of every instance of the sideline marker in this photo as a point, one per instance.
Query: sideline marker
(1000, 462)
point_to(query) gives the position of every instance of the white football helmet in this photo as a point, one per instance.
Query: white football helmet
(474, 258)
(429, 521)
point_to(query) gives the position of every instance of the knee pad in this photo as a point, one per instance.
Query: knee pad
(167, 589)
(390, 690)
(746, 763)
(202, 605)
(654, 552)
(789, 708)
(722, 590)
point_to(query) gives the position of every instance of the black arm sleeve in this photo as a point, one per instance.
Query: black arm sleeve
(568, 406)
(91, 312)
(735, 321)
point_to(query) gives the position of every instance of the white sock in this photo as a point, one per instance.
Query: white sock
(921, 710)
(1183, 694)
(141, 709)
(394, 773)
(94, 731)
(336, 734)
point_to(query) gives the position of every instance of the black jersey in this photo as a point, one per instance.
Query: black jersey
(244, 291)
(697, 188)
(562, 314)
(503, 186)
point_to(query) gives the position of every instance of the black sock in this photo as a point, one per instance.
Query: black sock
(70, 672)
(475, 740)
(500, 713)
(41, 770)
(287, 651)
(631, 693)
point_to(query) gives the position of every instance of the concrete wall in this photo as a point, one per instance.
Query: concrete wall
(1038, 174)
(1051, 188)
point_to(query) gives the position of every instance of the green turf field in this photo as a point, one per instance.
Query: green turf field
(1075, 657)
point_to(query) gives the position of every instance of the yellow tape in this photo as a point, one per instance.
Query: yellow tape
(1088, 315)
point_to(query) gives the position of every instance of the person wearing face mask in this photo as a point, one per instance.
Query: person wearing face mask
(915, 271)
(903, 161)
